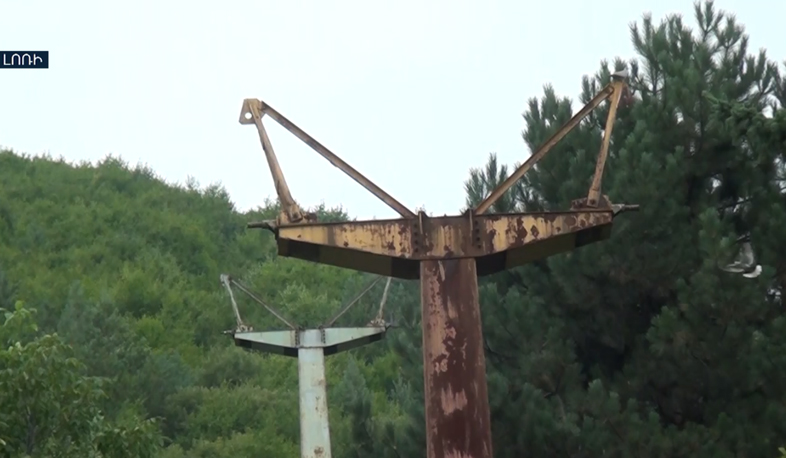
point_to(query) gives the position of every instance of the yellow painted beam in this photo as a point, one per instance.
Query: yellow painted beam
(395, 247)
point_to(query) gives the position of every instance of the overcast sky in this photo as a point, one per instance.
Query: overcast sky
(410, 93)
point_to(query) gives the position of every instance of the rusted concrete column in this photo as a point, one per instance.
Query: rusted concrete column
(458, 423)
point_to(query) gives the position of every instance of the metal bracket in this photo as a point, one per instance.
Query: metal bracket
(418, 231)
(474, 231)
(252, 112)
(614, 89)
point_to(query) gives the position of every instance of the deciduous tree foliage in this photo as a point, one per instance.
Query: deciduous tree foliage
(123, 270)
(48, 407)
(637, 346)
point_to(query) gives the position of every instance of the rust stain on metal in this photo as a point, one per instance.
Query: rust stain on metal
(448, 251)
(445, 237)
(331, 238)
(452, 401)
(457, 409)
(492, 234)
(517, 232)
(534, 231)
(369, 245)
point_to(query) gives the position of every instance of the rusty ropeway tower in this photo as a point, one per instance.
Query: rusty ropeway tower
(446, 254)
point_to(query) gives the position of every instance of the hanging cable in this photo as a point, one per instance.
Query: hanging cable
(241, 327)
(351, 303)
(261, 302)
(379, 320)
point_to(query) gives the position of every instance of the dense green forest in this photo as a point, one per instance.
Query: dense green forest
(113, 314)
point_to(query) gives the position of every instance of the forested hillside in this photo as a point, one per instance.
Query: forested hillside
(112, 342)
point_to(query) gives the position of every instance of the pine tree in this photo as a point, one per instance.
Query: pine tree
(355, 397)
(641, 345)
